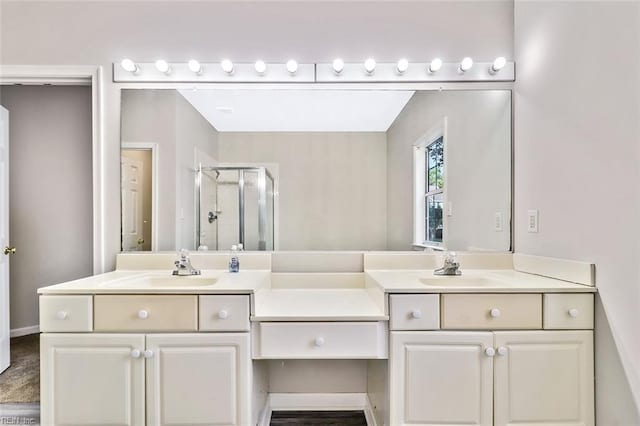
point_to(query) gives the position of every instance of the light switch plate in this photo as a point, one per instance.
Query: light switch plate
(532, 221)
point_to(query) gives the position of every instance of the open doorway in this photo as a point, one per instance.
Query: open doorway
(50, 215)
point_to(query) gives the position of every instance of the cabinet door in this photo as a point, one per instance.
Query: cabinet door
(544, 378)
(92, 379)
(198, 379)
(441, 378)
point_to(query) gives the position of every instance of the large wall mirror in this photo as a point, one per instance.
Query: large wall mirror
(316, 169)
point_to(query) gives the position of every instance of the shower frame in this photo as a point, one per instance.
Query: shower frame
(263, 173)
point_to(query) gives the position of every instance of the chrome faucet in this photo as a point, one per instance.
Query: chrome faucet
(183, 265)
(450, 267)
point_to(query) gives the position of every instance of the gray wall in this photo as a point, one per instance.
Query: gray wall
(50, 191)
(166, 118)
(478, 166)
(332, 185)
(577, 160)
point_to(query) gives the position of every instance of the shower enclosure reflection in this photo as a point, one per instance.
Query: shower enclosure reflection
(235, 205)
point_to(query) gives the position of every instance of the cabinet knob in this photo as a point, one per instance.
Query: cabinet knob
(148, 353)
(319, 341)
(495, 312)
(223, 314)
(135, 353)
(142, 314)
(490, 352)
(573, 312)
(502, 351)
(416, 314)
(61, 315)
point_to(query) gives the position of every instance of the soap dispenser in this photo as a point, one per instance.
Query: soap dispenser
(234, 262)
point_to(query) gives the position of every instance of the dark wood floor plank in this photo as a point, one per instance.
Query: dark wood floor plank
(318, 418)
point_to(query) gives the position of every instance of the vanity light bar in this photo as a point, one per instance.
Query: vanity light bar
(433, 71)
(368, 71)
(215, 72)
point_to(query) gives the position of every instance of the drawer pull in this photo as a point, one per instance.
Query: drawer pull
(148, 353)
(223, 314)
(142, 314)
(135, 353)
(319, 341)
(573, 312)
(416, 314)
(502, 351)
(495, 313)
(490, 352)
(61, 315)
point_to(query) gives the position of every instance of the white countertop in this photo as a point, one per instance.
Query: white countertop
(471, 281)
(141, 282)
(316, 296)
(349, 304)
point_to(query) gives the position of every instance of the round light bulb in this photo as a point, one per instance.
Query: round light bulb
(435, 65)
(260, 67)
(370, 65)
(194, 66)
(227, 66)
(163, 66)
(498, 64)
(128, 65)
(292, 66)
(466, 64)
(402, 66)
(338, 65)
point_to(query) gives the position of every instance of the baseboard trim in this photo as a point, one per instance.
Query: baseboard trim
(317, 401)
(24, 331)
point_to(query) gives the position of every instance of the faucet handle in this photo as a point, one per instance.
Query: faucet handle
(183, 253)
(450, 257)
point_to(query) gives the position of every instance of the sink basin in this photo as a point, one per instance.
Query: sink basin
(164, 282)
(458, 281)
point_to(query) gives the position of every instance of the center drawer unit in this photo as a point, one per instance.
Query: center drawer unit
(320, 340)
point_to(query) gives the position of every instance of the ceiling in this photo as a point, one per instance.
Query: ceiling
(259, 110)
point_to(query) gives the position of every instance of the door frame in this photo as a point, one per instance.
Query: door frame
(154, 184)
(63, 75)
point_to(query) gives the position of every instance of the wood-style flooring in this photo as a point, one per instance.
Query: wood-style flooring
(316, 418)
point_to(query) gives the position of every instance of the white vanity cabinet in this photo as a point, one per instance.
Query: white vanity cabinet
(91, 379)
(153, 378)
(458, 377)
(441, 378)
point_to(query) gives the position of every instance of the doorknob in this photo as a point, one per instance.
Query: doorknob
(9, 250)
(140, 240)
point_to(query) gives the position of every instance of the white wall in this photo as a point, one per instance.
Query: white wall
(332, 185)
(478, 163)
(50, 191)
(196, 142)
(166, 118)
(577, 160)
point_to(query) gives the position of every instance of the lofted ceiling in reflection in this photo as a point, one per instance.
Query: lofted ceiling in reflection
(257, 110)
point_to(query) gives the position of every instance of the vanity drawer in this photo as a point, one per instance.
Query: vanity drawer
(146, 313)
(321, 340)
(491, 311)
(568, 311)
(224, 313)
(66, 313)
(414, 311)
